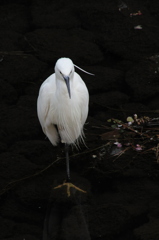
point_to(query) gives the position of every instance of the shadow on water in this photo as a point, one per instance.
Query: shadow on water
(66, 217)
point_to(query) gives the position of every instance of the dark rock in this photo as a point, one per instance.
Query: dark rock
(24, 70)
(7, 228)
(14, 17)
(12, 42)
(114, 98)
(14, 166)
(105, 79)
(112, 220)
(35, 150)
(148, 231)
(8, 93)
(18, 123)
(45, 41)
(122, 191)
(50, 16)
(143, 80)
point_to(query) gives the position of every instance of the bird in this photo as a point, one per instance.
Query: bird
(62, 109)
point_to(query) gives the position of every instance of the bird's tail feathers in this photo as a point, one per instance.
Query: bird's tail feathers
(80, 140)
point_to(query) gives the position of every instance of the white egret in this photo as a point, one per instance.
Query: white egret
(62, 108)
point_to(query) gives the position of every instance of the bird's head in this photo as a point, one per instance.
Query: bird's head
(64, 70)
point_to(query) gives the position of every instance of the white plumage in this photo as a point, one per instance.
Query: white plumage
(63, 101)
(62, 108)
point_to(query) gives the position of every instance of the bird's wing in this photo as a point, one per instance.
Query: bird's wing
(43, 103)
(83, 97)
(46, 93)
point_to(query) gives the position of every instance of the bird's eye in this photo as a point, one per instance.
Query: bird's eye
(60, 72)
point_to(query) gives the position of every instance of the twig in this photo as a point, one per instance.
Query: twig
(17, 53)
(125, 110)
(120, 153)
(11, 184)
(131, 129)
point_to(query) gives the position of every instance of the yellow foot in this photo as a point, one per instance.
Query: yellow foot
(69, 185)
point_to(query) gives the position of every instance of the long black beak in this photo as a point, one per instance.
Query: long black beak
(67, 81)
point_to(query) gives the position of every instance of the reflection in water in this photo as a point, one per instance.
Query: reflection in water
(66, 219)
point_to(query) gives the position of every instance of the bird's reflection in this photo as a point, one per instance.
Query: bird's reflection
(66, 217)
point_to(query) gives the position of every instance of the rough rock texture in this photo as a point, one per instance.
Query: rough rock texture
(122, 199)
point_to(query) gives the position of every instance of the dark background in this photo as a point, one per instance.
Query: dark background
(122, 200)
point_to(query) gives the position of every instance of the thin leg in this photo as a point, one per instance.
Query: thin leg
(67, 162)
(67, 183)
